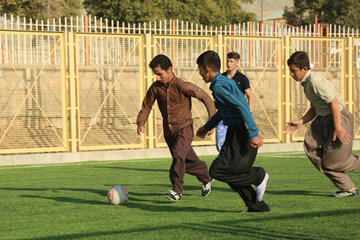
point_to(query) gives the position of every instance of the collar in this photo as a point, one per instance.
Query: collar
(173, 79)
(306, 78)
(213, 81)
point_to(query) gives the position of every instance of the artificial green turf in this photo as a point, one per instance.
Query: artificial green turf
(69, 202)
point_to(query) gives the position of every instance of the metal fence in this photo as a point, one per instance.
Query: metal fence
(110, 91)
(261, 61)
(33, 92)
(184, 50)
(91, 101)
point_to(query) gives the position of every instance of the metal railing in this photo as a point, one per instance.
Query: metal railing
(91, 101)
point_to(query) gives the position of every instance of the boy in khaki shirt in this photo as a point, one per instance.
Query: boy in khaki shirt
(329, 139)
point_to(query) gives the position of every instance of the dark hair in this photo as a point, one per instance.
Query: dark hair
(209, 59)
(233, 55)
(300, 59)
(160, 60)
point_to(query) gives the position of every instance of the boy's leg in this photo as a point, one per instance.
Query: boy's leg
(193, 165)
(234, 166)
(331, 157)
(177, 168)
(185, 159)
(196, 167)
(338, 158)
(249, 196)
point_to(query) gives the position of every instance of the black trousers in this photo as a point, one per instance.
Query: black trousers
(234, 166)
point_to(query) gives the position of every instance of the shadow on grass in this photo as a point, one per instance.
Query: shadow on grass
(135, 169)
(295, 192)
(237, 227)
(63, 198)
(68, 199)
(170, 207)
(101, 192)
(136, 200)
(186, 187)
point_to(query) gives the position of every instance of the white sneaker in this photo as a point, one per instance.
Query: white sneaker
(173, 196)
(260, 189)
(206, 188)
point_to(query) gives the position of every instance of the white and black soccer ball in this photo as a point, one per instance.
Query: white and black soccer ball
(118, 195)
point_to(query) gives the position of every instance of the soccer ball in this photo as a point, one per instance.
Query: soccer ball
(117, 195)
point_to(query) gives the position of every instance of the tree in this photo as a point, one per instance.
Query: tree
(345, 12)
(209, 12)
(37, 9)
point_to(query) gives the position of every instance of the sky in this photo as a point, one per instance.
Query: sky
(271, 8)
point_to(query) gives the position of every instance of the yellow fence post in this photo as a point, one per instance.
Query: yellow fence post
(350, 97)
(148, 78)
(64, 91)
(280, 87)
(287, 85)
(343, 70)
(220, 49)
(72, 84)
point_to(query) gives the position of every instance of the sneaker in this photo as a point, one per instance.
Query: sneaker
(206, 188)
(173, 196)
(260, 189)
(346, 193)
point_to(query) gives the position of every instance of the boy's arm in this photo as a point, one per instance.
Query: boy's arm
(241, 106)
(249, 96)
(207, 128)
(146, 107)
(213, 122)
(295, 124)
(339, 131)
(194, 91)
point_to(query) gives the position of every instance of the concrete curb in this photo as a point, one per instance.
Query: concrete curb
(114, 155)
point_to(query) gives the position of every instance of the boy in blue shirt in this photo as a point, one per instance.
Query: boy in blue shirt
(234, 162)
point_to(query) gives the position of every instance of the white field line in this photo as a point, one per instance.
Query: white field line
(284, 155)
(280, 156)
(271, 155)
(75, 164)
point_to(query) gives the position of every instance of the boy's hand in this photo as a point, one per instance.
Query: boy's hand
(256, 142)
(293, 125)
(140, 130)
(343, 136)
(201, 132)
(211, 132)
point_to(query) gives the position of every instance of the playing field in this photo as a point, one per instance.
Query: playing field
(68, 201)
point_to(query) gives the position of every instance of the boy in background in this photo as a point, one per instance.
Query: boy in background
(232, 62)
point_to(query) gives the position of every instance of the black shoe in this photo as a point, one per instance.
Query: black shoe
(206, 188)
(173, 196)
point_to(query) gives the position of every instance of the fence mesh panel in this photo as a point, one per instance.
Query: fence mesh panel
(110, 81)
(183, 51)
(260, 61)
(32, 93)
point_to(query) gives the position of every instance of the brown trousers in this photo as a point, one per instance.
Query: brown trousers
(185, 159)
(331, 157)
